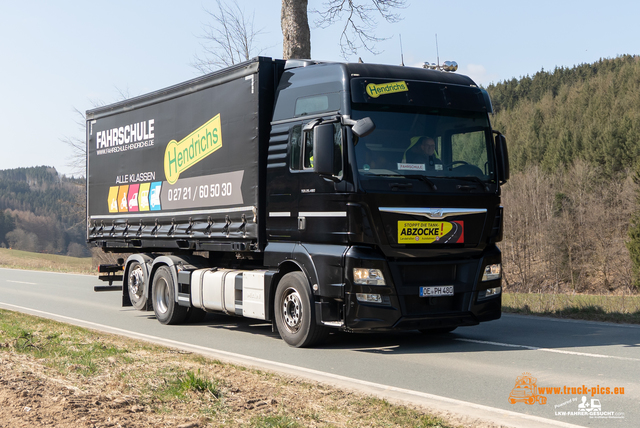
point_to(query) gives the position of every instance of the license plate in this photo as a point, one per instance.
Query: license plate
(445, 290)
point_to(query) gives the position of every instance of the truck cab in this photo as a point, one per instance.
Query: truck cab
(388, 236)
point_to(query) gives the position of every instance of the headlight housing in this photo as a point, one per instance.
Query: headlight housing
(368, 276)
(484, 294)
(369, 298)
(492, 272)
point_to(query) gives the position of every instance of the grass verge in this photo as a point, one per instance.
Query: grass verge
(68, 376)
(619, 309)
(17, 259)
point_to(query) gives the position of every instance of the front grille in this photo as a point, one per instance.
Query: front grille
(421, 274)
(409, 276)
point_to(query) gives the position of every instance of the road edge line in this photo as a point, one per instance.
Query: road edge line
(431, 402)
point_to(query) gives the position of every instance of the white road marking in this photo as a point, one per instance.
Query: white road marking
(429, 401)
(21, 282)
(557, 351)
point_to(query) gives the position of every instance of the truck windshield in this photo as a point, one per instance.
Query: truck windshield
(422, 141)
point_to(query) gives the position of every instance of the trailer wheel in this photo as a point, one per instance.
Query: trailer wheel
(135, 281)
(295, 312)
(165, 307)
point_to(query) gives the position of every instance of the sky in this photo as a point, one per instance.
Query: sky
(69, 55)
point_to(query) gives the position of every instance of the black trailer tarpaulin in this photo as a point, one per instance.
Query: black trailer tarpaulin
(187, 154)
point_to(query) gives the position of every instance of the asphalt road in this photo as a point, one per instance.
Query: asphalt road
(471, 371)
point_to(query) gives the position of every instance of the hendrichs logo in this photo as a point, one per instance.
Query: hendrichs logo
(526, 391)
(182, 155)
(374, 91)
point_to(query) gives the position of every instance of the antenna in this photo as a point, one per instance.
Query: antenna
(401, 53)
(437, 51)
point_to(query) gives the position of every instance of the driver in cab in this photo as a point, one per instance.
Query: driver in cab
(423, 151)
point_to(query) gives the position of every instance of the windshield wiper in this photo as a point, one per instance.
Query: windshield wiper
(413, 177)
(471, 178)
(423, 178)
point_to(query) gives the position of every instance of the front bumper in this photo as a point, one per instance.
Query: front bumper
(403, 308)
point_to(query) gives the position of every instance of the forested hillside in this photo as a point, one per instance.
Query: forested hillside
(42, 211)
(574, 140)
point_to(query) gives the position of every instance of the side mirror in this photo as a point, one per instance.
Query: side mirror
(502, 156)
(324, 151)
(363, 127)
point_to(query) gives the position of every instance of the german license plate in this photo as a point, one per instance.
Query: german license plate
(445, 290)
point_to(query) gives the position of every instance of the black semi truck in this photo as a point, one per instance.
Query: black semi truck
(313, 195)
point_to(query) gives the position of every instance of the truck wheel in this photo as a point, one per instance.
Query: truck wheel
(165, 307)
(135, 281)
(295, 312)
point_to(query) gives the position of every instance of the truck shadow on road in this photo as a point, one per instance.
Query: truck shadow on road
(511, 333)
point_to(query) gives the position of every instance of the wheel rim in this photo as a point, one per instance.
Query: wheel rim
(136, 279)
(161, 295)
(292, 310)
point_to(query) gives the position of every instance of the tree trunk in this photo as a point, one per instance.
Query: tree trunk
(296, 38)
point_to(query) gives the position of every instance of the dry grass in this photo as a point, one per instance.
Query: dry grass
(72, 377)
(620, 309)
(17, 259)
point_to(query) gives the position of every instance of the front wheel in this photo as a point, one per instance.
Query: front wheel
(165, 306)
(295, 312)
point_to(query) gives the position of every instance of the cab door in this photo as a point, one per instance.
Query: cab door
(282, 183)
(322, 209)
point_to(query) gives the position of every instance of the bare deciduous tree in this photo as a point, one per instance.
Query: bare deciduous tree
(77, 162)
(359, 23)
(228, 39)
(565, 231)
(358, 18)
(296, 36)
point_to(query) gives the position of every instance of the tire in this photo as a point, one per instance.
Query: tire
(165, 306)
(437, 331)
(294, 311)
(136, 286)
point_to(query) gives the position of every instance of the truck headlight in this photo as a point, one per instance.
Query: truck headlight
(369, 298)
(492, 272)
(368, 276)
(489, 293)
